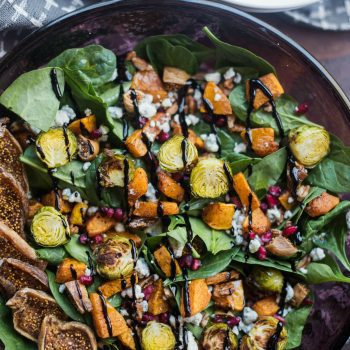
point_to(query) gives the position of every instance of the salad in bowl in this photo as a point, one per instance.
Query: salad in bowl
(173, 197)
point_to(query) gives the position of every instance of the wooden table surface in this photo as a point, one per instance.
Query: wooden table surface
(332, 49)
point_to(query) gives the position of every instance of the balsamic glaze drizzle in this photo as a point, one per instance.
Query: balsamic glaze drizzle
(54, 83)
(71, 174)
(173, 261)
(66, 141)
(133, 96)
(40, 151)
(124, 121)
(229, 178)
(186, 293)
(105, 313)
(55, 188)
(98, 184)
(77, 287)
(84, 131)
(91, 263)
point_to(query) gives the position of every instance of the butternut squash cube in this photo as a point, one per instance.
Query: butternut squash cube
(156, 303)
(284, 200)
(266, 306)
(110, 288)
(221, 277)
(83, 126)
(49, 199)
(172, 75)
(78, 214)
(135, 145)
(169, 187)
(137, 187)
(241, 186)
(164, 261)
(64, 271)
(263, 141)
(99, 224)
(218, 215)
(322, 205)
(151, 209)
(221, 104)
(260, 222)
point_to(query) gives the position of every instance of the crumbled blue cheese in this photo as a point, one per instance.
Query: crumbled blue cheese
(123, 312)
(146, 108)
(245, 328)
(75, 197)
(151, 193)
(86, 166)
(286, 311)
(88, 112)
(237, 79)
(92, 211)
(66, 192)
(166, 103)
(235, 330)
(254, 245)
(290, 292)
(62, 288)
(290, 200)
(119, 227)
(198, 97)
(115, 112)
(191, 341)
(144, 305)
(317, 254)
(237, 222)
(303, 270)
(249, 315)
(61, 118)
(142, 268)
(214, 77)
(129, 292)
(88, 272)
(165, 126)
(191, 119)
(195, 319)
(274, 215)
(217, 97)
(229, 74)
(288, 214)
(210, 142)
(240, 147)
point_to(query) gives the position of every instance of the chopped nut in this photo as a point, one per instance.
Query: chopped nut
(130, 55)
(300, 293)
(281, 246)
(232, 126)
(276, 232)
(141, 64)
(304, 262)
(302, 192)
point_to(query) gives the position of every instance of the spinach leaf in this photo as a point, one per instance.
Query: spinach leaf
(93, 62)
(333, 173)
(176, 50)
(236, 56)
(239, 162)
(32, 98)
(295, 322)
(285, 106)
(11, 339)
(268, 171)
(62, 300)
(228, 141)
(115, 300)
(325, 271)
(77, 250)
(195, 205)
(52, 255)
(151, 262)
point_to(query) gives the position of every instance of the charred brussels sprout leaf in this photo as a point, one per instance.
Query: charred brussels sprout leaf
(309, 144)
(172, 153)
(56, 147)
(208, 179)
(114, 258)
(217, 335)
(158, 336)
(50, 228)
(267, 279)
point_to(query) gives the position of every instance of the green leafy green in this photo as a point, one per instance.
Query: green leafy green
(115, 300)
(52, 255)
(295, 322)
(94, 63)
(62, 300)
(176, 50)
(77, 250)
(236, 56)
(333, 173)
(268, 171)
(32, 98)
(239, 162)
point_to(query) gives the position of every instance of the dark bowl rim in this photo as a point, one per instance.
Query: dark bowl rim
(6, 60)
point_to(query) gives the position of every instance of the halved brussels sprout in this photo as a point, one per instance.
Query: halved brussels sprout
(208, 178)
(261, 333)
(50, 228)
(219, 336)
(309, 144)
(114, 258)
(158, 336)
(56, 147)
(171, 157)
(267, 279)
(112, 170)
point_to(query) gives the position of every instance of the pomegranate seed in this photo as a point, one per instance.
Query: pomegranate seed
(196, 264)
(218, 319)
(98, 239)
(266, 237)
(279, 318)
(251, 235)
(235, 200)
(262, 254)
(163, 136)
(302, 108)
(110, 212)
(307, 301)
(207, 118)
(233, 321)
(290, 230)
(186, 261)
(220, 121)
(104, 210)
(178, 176)
(118, 214)
(147, 317)
(164, 317)
(275, 191)
(83, 238)
(95, 134)
(143, 121)
(86, 280)
(271, 201)
(263, 207)
(147, 291)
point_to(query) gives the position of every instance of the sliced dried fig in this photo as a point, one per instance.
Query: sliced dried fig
(29, 308)
(78, 294)
(281, 246)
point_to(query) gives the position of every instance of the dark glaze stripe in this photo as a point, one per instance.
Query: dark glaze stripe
(173, 261)
(123, 74)
(186, 293)
(105, 313)
(40, 151)
(124, 284)
(55, 189)
(229, 178)
(160, 209)
(133, 96)
(133, 284)
(98, 184)
(72, 178)
(254, 85)
(90, 147)
(184, 152)
(292, 170)
(188, 231)
(54, 83)
(227, 343)
(133, 251)
(84, 131)
(91, 263)
(124, 121)
(66, 141)
(77, 287)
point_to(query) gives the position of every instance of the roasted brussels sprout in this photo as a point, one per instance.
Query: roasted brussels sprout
(112, 170)
(260, 335)
(114, 258)
(267, 279)
(173, 152)
(56, 147)
(309, 144)
(49, 227)
(219, 336)
(158, 336)
(208, 178)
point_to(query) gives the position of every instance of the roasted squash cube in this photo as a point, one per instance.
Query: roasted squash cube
(64, 271)
(218, 215)
(164, 261)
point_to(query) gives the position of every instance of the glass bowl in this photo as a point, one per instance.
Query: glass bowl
(118, 25)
